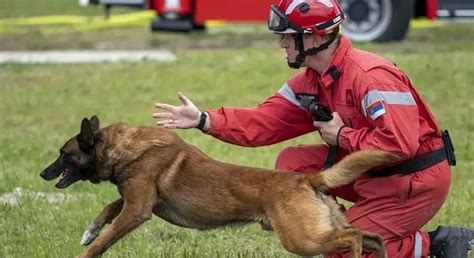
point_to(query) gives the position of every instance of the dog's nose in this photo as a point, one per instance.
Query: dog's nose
(43, 175)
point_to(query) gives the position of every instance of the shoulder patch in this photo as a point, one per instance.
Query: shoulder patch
(375, 109)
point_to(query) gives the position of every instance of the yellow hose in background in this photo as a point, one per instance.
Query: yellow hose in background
(64, 23)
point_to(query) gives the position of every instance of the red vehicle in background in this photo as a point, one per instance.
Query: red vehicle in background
(366, 20)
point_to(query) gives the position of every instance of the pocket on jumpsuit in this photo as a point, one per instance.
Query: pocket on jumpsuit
(404, 188)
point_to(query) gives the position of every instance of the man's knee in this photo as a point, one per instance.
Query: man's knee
(303, 158)
(286, 159)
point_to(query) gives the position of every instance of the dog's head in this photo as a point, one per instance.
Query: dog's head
(76, 157)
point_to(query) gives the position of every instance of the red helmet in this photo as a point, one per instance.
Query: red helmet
(305, 16)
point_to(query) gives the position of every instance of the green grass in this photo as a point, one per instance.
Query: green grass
(42, 105)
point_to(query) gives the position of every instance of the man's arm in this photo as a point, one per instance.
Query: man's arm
(278, 118)
(275, 120)
(389, 107)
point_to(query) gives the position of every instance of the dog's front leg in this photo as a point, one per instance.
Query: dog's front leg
(108, 214)
(138, 201)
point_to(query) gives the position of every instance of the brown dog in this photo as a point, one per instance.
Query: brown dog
(157, 173)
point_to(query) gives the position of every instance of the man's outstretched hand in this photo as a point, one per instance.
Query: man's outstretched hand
(185, 116)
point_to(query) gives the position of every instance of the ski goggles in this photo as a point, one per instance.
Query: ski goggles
(279, 22)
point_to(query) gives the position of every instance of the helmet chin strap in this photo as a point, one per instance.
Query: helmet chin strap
(310, 52)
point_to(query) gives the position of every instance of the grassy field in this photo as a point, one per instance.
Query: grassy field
(42, 105)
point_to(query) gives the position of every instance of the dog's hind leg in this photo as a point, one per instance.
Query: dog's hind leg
(304, 225)
(326, 243)
(138, 201)
(374, 243)
(343, 238)
(348, 238)
(105, 217)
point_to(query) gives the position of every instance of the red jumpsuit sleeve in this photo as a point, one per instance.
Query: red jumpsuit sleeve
(389, 108)
(273, 121)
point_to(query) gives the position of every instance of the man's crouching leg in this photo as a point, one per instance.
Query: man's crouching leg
(310, 159)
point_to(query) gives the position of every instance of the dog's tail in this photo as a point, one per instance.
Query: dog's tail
(351, 167)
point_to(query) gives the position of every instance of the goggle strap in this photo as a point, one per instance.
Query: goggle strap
(329, 24)
(297, 28)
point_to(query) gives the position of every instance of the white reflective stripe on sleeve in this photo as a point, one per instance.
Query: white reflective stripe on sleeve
(288, 93)
(389, 97)
(418, 244)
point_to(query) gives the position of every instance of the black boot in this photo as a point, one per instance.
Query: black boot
(451, 242)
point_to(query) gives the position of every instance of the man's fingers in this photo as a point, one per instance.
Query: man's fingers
(162, 122)
(336, 115)
(166, 124)
(166, 107)
(162, 115)
(183, 98)
(319, 123)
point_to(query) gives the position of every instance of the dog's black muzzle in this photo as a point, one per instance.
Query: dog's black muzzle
(52, 171)
(70, 174)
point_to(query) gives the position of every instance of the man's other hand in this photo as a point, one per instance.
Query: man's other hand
(329, 129)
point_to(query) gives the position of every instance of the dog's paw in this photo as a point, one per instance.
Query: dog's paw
(90, 234)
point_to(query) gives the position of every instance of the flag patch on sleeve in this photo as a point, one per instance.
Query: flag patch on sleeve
(375, 109)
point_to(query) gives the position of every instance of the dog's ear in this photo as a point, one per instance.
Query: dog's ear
(86, 136)
(95, 123)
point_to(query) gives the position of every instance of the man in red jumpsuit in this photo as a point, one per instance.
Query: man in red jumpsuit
(375, 107)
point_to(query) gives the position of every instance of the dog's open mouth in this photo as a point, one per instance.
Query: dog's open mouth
(67, 179)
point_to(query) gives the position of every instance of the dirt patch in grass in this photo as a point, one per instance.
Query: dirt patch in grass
(15, 197)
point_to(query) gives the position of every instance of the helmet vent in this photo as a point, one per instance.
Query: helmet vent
(304, 8)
